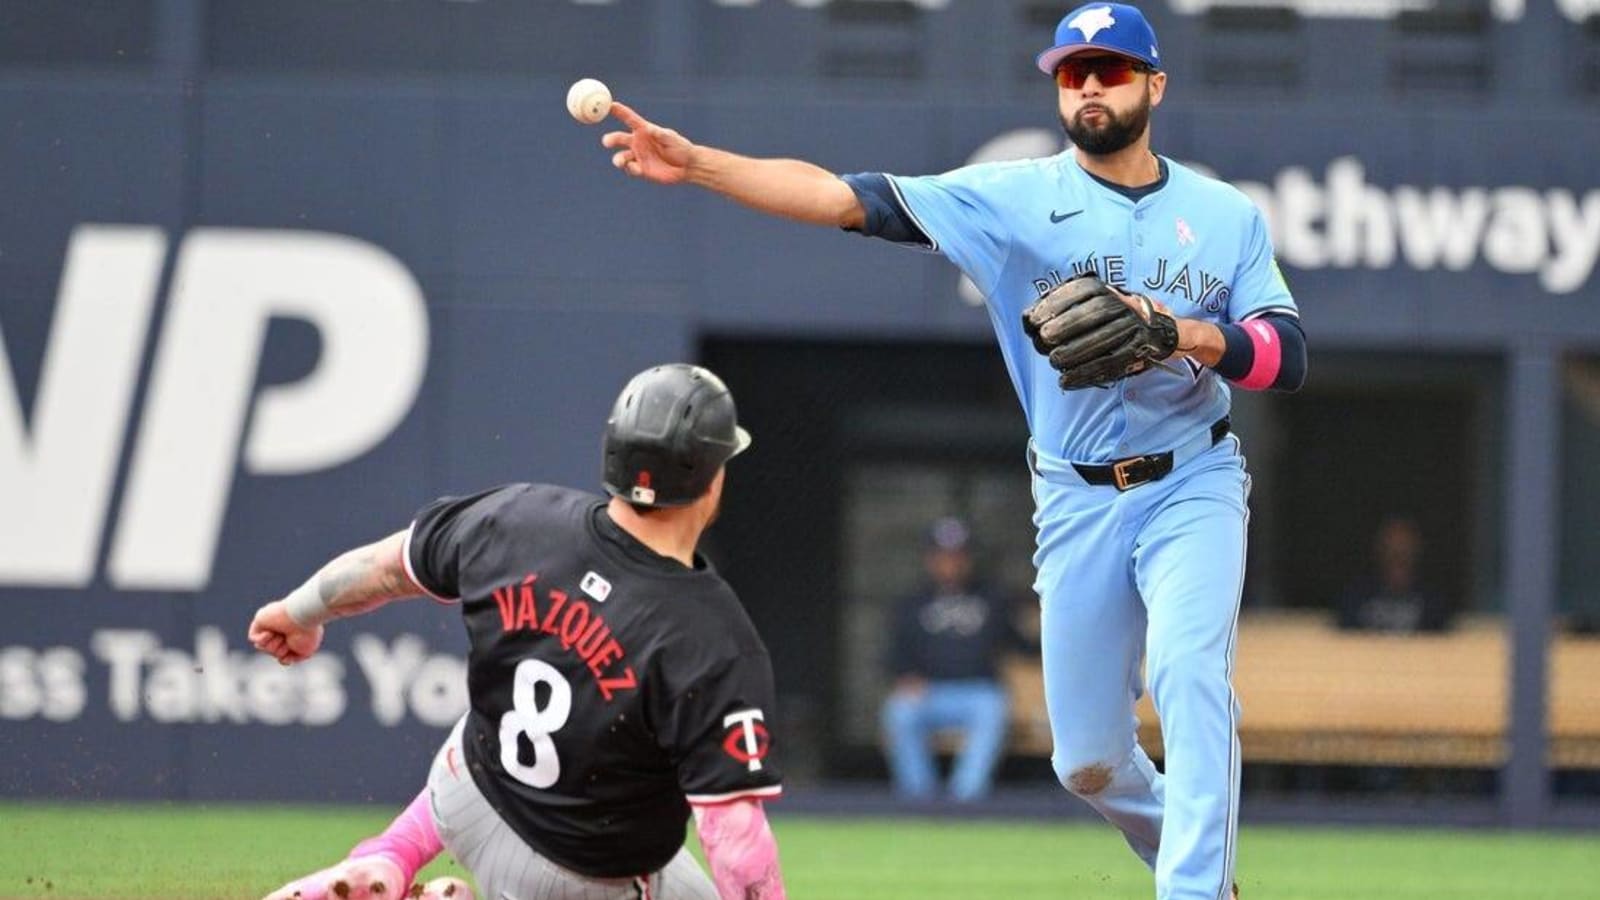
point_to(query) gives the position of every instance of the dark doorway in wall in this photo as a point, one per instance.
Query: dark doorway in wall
(857, 446)
(1375, 439)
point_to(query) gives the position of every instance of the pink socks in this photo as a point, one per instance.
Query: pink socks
(410, 841)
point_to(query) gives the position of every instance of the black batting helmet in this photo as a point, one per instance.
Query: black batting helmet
(671, 429)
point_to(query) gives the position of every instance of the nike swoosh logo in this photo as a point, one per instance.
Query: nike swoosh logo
(1057, 218)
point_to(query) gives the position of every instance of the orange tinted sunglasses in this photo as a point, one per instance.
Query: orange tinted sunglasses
(1074, 71)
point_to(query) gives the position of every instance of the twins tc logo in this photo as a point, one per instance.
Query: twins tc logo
(747, 739)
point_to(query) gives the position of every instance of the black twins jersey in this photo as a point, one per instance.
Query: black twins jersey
(608, 684)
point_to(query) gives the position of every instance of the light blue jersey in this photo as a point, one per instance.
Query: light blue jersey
(1018, 229)
(1151, 574)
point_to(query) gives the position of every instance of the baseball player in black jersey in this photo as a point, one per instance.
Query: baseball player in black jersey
(614, 679)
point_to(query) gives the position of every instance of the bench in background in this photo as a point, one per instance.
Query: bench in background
(1315, 695)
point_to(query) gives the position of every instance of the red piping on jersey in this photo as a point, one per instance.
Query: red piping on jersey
(405, 566)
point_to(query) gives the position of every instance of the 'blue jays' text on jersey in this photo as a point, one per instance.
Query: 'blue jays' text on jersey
(1018, 229)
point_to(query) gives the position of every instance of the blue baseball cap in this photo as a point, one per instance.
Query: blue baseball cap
(1116, 27)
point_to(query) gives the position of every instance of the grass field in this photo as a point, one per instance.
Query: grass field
(212, 853)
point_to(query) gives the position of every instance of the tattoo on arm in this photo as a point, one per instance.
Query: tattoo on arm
(365, 578)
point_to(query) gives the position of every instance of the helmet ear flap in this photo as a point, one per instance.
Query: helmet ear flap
(670, 431)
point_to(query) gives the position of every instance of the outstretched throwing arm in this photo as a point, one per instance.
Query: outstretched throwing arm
(788, 188)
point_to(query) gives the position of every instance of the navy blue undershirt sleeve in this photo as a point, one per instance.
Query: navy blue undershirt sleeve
(886, 217)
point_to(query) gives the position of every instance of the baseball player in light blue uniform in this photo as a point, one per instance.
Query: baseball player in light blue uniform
(1140, 489)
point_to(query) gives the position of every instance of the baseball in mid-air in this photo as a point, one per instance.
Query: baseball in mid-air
(589, 100)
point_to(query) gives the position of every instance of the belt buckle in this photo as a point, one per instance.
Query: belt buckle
(1120, 475)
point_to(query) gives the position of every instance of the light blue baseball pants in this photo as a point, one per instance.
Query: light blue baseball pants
(1154, 575)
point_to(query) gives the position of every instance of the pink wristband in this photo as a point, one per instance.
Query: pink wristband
(1268, 356)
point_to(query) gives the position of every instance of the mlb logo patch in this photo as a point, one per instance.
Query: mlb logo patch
(641, 492)
(595, 586)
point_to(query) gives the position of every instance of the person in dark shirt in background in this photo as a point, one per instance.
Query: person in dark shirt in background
(1392, 596)
(946, 642)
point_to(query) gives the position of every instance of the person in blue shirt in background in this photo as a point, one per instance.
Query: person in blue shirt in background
(946, 644)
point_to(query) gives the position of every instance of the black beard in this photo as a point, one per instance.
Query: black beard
(1116, 133)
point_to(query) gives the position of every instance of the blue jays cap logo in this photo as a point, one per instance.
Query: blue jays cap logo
(1091, 21)
(1114, 27)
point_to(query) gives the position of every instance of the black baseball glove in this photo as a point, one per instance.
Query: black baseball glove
(1093, 338)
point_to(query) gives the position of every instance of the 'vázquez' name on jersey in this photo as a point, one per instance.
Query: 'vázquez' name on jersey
(572, 621)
